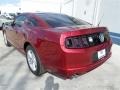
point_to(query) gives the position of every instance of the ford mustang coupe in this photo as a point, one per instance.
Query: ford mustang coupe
(58, 43)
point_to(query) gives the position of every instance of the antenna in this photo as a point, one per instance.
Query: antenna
(100, 20)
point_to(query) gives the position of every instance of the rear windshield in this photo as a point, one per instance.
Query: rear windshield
(59, 20)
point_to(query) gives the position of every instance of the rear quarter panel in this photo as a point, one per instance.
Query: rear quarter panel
(47, 45)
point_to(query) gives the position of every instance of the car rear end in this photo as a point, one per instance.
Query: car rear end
(84, 50)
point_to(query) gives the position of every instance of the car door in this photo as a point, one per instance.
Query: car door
(19, 31)
(10, 33)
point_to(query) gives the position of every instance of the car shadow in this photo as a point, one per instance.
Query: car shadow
(7, 54)
(50, 84)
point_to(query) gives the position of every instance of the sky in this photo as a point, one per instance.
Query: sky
(29, 5)
(3, 2)
(40, 5)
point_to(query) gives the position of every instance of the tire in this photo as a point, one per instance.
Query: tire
(33, 62)
(7, 43)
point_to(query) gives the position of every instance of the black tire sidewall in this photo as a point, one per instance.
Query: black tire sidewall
(38, 71)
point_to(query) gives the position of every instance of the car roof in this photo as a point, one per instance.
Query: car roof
(41, 13)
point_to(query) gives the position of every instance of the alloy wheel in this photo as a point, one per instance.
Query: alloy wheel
(32, 60)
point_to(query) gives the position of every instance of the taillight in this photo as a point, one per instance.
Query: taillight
(85, 41)
(69, 42)
(107, 36)
(76, 42)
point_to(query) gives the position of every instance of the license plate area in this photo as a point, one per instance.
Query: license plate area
(101, 53)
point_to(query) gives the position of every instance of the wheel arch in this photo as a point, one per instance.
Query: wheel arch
(25, 45)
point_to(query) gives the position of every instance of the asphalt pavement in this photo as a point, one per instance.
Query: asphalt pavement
(15, 75)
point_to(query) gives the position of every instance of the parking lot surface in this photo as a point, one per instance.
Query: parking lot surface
(15, 75)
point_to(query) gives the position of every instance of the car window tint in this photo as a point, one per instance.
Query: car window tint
(59, 20)
(32, 22)
(19, 21)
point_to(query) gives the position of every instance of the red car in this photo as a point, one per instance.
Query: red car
(58, 43)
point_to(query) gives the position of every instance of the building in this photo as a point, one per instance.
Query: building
(32, 6)
(97, 12)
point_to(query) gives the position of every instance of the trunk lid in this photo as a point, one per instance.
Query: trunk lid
(89, 36)
(78, 30)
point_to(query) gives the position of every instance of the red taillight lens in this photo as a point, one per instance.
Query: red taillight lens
(76, 42)
(69, 42)
(85, 41)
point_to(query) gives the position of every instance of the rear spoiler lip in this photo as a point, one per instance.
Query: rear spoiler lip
(85, 31)
(82, 32)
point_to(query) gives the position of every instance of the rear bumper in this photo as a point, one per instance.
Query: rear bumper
(82, 60)
(84, 69)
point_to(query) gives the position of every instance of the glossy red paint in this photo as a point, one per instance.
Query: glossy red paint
(49, 43)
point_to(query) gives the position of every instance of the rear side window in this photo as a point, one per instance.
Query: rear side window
(59, 20)
(32, 22)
